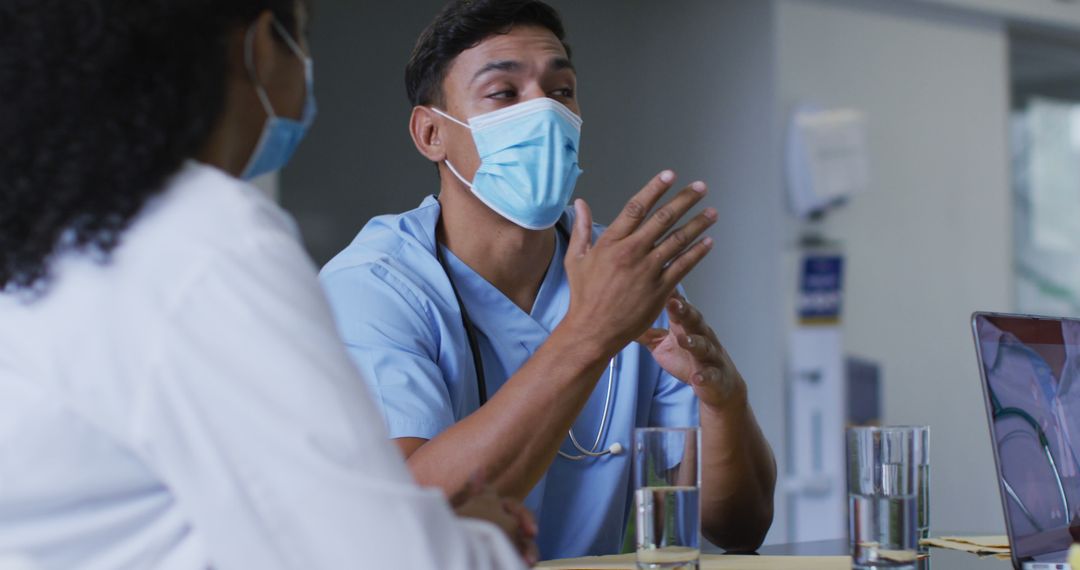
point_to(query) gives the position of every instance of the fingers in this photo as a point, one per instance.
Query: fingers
(639, 206)
(700, 346)
(682, 265)
(682, 312)
(677, 241)
(527, 530)
(710, 374)
(686, 319)
(712, 377)
(503, 518)
(581, 237)
(667, 215)
(652, 337)
(523, 515)
(532, 553)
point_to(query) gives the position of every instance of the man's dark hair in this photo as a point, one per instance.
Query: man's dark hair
(100, 102)
(463, 24)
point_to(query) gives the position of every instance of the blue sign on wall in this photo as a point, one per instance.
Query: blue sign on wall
(821, 287)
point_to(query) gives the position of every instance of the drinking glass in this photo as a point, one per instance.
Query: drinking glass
(667, 483)
(886, 472)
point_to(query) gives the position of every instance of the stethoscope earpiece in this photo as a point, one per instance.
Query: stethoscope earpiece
(616, 449)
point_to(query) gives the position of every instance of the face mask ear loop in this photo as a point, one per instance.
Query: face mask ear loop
(437, 111)
(298, 52)
(447, 161)
(249, 62)
(289, 41)
(459, 176)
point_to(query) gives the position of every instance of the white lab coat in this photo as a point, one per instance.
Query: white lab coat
(189, 404)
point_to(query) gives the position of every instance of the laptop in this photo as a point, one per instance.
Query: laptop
(1030, 370)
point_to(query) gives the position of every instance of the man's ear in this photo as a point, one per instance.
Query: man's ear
(425, 129)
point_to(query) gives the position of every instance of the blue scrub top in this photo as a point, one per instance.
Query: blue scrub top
(401, 323)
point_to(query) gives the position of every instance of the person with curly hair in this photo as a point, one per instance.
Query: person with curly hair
(173, 392)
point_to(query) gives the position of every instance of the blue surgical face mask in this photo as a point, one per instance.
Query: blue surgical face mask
(280, 135)
(528, 160)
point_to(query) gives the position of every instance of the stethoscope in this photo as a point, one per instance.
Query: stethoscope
(1000, 412)
(481, 384)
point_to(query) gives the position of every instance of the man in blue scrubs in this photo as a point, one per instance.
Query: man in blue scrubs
(493, 320)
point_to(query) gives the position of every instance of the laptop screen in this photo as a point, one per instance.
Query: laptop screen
(1031, 381)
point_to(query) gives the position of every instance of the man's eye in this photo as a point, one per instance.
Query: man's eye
(566, 92)
(507, 94)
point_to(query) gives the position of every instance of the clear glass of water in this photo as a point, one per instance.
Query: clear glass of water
(667, 483)
(920, 454)
(886, 472)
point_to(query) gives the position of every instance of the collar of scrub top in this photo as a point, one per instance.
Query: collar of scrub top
(467, 323)
(481, 383)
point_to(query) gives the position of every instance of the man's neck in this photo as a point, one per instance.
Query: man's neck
(510, 257)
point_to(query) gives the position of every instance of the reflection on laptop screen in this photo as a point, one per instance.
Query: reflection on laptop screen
(1030, 369)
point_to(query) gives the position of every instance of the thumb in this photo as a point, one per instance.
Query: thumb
(581, 238)
(651, 338)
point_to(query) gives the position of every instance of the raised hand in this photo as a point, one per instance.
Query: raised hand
(691, 352)
(619, 285)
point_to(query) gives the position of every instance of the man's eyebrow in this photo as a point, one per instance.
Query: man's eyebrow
(561, 63)
(504, 65)
(511, 66)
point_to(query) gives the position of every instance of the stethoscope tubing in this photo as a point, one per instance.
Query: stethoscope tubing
(615, 448)
(481, 383)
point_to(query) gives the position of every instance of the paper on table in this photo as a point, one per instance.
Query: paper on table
(990, 541)
(708, 562)
(616, 562)
(982, 545)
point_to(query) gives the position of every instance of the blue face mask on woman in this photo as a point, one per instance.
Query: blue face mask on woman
(281, 135)
(528, 160)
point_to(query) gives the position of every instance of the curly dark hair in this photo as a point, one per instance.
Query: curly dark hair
(100, 102)
(463, 24)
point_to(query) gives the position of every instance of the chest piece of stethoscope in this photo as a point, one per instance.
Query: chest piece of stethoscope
(615, 448)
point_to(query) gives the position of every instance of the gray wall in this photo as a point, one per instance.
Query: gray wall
(358, 160)
(931, 241)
